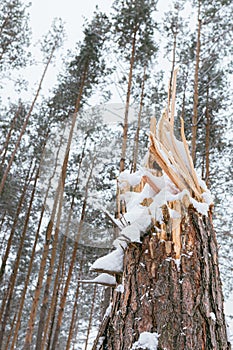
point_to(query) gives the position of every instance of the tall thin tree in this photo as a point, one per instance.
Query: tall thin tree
(51, 43)
(133, 29)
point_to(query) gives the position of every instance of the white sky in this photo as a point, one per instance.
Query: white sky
(42, 13)
(72, 13)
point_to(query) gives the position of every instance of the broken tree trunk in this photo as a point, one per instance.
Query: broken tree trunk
(180, 300)
(169, 295)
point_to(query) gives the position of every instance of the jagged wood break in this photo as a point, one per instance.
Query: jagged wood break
(170, 290)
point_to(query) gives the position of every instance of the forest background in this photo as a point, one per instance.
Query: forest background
(61, 148)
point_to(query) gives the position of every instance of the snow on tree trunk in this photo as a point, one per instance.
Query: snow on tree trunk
(180, 299)
(169, 293)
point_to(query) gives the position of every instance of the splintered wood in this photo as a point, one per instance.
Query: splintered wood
(172, 157)
(167, 152)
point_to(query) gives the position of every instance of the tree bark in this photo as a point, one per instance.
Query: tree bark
(181, 299)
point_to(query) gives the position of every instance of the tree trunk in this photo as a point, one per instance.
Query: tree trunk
(171, 83)
(56, 292)
(50, 273)
(3, 238)
(207, 139)
(31, 322)
(125, 130)
(181, 300)
(6, 143)
(75, 306)
(26, 283)
(10, 333)
(37, 292)
(48, 239)
(25, 123)
(72, 264)
(14, 273)
(136, 139)
(14, 225)
(171, 292)
(91, 316)
(30, 265)
(195, 96)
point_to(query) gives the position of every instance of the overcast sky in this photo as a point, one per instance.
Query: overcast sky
(72, 12)
(42, 14)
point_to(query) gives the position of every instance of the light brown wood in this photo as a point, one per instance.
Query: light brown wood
(164, 146)
(153, 125)
(176, 229)
(173, 104)
(193, 172)
(147, 180)
(183, 169)
(166, 168)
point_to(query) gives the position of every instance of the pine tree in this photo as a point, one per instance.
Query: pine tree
(211, 46)
(14, 34)
(84, 71)
(51, 43)
(133, 30)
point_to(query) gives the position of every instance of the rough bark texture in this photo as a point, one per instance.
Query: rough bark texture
(181, 300)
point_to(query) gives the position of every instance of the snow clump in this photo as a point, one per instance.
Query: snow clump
(147, 340)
